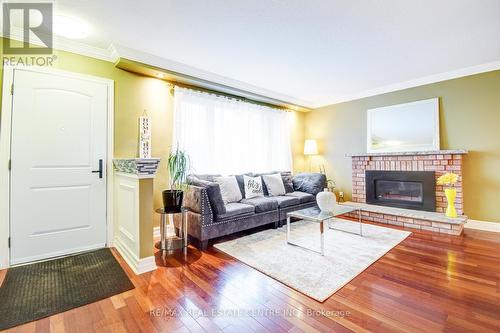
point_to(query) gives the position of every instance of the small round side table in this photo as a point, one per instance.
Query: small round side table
(172, 238)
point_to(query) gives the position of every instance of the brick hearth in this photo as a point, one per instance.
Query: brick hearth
(440, 162)
(408, 218)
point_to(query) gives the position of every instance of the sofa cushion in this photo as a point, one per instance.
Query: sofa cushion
(302, 196)
(312, 183)
(214, 194)
(261, 204)
(236, 209)
(286, 201)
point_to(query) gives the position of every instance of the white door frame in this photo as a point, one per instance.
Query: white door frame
(5, 144)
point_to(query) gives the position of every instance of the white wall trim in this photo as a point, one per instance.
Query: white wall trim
(68, 45)
(5, 138)
(139, 266)
(114, 52)
(454, 74)
(5, 122)
(482, 225)
(83, 49)
(199, 77)
(110, 177)
(135, 175)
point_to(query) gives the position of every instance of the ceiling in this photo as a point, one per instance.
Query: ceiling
(313, 52)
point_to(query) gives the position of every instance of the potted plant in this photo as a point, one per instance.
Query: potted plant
(449, 180)
(178, 167)
(330, 184)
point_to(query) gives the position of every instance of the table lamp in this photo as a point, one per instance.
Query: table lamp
(310, 148)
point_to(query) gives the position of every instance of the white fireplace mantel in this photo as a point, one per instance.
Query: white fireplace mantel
(412, 153)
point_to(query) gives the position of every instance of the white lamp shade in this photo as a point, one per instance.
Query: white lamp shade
(310, 147)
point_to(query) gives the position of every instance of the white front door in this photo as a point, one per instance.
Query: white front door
(58, 204)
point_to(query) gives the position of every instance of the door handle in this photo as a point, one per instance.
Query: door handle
(100, 169)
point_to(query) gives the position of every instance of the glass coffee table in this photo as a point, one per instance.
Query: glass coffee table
(314, 214)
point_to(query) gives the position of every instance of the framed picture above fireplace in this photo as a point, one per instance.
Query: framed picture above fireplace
(407, 127)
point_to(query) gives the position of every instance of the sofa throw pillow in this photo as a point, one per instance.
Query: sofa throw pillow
(311, 183)
(253, 187)
(241, 182)
(207, 177)
(213, 192)
(229, 189)
(287, 181)
(274, 184)
(263, 183)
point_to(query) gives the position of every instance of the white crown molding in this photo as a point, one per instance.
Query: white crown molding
(219, 81)
(65, 44)
(114, 52)
(454, 74)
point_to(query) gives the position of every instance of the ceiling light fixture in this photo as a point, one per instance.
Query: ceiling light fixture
(70, 27)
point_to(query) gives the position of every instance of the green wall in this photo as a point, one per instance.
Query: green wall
(469, 119)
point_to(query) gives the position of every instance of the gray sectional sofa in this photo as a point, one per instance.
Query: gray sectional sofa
(209, 217)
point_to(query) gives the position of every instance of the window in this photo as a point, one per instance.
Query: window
(226, 136)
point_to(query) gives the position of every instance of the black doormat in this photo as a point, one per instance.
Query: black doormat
(43, 289)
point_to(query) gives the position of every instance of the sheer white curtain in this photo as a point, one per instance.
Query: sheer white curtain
(226, 136)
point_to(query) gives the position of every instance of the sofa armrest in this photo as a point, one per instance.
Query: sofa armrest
(196, 200)
(213, 192)
(312, 183)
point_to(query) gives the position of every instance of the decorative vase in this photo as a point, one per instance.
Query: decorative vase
(451, 194)
(326, 200)
(172, 200)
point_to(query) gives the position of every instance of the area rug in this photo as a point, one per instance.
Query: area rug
(43, 289)
(319, 277)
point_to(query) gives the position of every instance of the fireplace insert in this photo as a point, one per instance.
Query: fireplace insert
(403, 189)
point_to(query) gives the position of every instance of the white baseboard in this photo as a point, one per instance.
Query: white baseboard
(139, 266)
(483, 225)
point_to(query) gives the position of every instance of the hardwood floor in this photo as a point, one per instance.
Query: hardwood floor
(428, 283)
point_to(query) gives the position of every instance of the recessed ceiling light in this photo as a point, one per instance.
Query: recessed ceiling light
(70, 27)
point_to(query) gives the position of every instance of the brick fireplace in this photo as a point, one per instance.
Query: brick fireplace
(438, 162)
